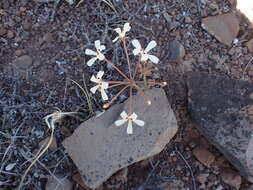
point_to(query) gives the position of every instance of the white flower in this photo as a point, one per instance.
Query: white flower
(101, 85)
(98, 54)
(122, 33)
(132, 118)
(144, 53)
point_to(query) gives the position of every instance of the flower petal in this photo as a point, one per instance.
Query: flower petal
(130, 127)
(120, 122)
(134, 116)
(139, 122)
(94, 89)
(136, 44)
(105, 85)
(100, 74)
(126, 27)
(118, 30)
(124, 115)
(102, 48)
(115, 39)
(100, 56)
(91, 61)
(90, 52)
(153, 58)
(94, 79)
(97, 44)
(136, 51)
(144, 57)
(103, 94)
(150, 46)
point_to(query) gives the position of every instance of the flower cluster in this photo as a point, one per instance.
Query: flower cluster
(130, 81)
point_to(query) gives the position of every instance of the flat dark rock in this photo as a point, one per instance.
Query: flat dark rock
(223, 109)
(99, 148)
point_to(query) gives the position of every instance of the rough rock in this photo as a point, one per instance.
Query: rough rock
(22, 64)
(176, 51)
(223, 111)
(223, 27)
(246, 7)
(27, 24)
(249, 45)
(53, 184)
(10, 34)
(231, 177)
(202, 178)
(204, 156)
(3, 30)
(99, 148)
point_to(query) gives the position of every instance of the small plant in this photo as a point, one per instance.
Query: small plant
(135, 81)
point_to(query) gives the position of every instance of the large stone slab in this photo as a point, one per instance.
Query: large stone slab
(223, 109)
(223, 27)
(99, 148)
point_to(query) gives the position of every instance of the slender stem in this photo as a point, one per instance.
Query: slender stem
(109, 62)
(151, 82)
(127, 56)
(137, 66)
(117, 82)
(131, 101)
(115, 97)
(115, 85)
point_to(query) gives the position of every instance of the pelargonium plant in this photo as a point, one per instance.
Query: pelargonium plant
(136, 81)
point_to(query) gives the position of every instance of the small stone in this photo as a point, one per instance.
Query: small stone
(18, 19)
(19, 52)
(223, 27)
(22, 65)
(10, 34)
(213, 5)
(99, 148)
(251, 96)
(3, 31)
(176, 51)
(188, 20)
(249, 45)
(231, 177)
(204, 156)
(22, 9)
(27, 24)
(52, 183)
(202, 178)
(167, 17)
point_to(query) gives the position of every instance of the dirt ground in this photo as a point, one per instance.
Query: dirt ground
(54, 38)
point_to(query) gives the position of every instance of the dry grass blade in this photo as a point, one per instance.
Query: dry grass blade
(110, 4)
(87, 96)
(50, 119)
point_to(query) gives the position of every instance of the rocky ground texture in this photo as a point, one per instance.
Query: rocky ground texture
(42, 47)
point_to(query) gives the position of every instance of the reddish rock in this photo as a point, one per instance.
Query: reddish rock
(231, 177)
(249, 45)
(222, 109)
(10, 34)
(223, 27)
(204, 156)
(3, 31)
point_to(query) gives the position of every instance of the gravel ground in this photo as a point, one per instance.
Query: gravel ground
(42, 49)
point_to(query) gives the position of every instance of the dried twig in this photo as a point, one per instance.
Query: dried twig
(189, 167)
